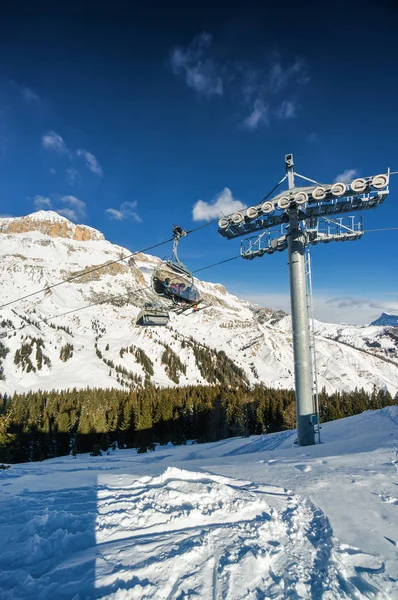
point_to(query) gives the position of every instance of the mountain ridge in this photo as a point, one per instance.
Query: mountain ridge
(93, 341)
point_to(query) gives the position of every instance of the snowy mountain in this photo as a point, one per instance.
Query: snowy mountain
(386, 320)
(102, 346)
(239, 519)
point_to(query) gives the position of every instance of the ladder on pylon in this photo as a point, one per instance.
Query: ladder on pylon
(311, 327)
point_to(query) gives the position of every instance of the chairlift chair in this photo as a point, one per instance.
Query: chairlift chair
(172, 279)
(152, 315)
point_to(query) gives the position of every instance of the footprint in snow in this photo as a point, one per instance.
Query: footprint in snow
(361, 562)
(388, 499)
(304, 468)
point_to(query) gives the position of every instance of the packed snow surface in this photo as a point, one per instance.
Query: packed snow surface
(241, 518)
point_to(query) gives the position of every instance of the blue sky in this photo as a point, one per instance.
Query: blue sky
(123, 117)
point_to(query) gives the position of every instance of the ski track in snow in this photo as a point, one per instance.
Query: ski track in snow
(269, 442)
(178, 535)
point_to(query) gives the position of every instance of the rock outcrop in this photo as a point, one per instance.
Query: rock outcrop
(50, 223)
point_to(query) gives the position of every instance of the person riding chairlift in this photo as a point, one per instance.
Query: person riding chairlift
(189, 293)
(170, 288)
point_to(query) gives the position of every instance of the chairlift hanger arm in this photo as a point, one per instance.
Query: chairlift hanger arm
(178, 232)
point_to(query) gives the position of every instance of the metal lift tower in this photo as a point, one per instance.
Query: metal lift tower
(293, 220)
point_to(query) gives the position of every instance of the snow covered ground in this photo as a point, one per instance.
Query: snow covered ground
(247, 518)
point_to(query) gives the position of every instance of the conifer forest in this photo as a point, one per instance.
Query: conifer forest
(40, 425)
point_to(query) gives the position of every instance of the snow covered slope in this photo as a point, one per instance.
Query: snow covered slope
(238, 519)
(99, 346)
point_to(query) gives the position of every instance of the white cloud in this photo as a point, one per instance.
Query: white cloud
(224, 204)
(14, 92)
(257, 89)
(41, 202)
(71, 175)
(73, 208)
(76, 209)
(258, 116)
(69, 213)
(201, 73)
(359, 310)
(346, 175)
(279, 77)
(126, 211)
(113, 213)
(327, 309)
(54, 142)
(287, 110)
(92, 163)
(261, 91)
(30, 96)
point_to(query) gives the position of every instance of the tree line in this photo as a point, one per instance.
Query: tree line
(40, 425)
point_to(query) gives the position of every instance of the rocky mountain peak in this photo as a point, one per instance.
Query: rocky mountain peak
(49, 223)
(386, 319)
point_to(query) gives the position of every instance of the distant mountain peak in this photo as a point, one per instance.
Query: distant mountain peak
(386, 319)
(50, 223)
